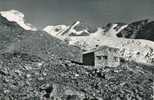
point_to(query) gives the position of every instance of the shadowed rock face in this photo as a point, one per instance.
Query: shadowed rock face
(132, 29)
(147, 32)
(24, 76)
(143, 29)
(109, 26)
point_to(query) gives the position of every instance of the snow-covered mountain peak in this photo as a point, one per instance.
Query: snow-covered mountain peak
(18, 17)
(75, 24)
(113, 29)
(76, 29)
(55, 30)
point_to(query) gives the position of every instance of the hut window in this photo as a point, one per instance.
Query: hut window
(138, 53)
(99, 57)
(115, 50)
(110, 49)
(105, 57)
(116, 59)
(122, 60)
(152, 60)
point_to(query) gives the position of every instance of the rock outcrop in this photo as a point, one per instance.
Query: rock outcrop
(143, 29)
(147, 32)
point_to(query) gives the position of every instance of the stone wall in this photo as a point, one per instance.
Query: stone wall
(107, 57)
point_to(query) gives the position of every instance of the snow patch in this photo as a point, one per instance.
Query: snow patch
(114, 30)
(18, 17)
(55, 30)
(63, 30)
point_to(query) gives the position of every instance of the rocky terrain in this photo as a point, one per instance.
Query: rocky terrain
(27, 77)
(39, 65)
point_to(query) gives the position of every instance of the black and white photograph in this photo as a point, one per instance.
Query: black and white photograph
(76, 49)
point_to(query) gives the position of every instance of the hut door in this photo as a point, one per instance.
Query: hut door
(89, 59)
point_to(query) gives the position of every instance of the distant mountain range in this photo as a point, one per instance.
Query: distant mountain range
(80, 29)
(143, 29)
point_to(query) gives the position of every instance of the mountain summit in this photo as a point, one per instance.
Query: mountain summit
(76, 29)
(18, 17)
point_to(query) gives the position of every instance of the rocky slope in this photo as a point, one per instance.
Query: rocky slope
(33, 78)
(13, 37)
(44, 46)
(10, 32)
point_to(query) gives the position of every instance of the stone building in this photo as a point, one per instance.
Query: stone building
(103, 56)
(114, 52)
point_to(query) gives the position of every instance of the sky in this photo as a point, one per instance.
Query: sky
(96, 13)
